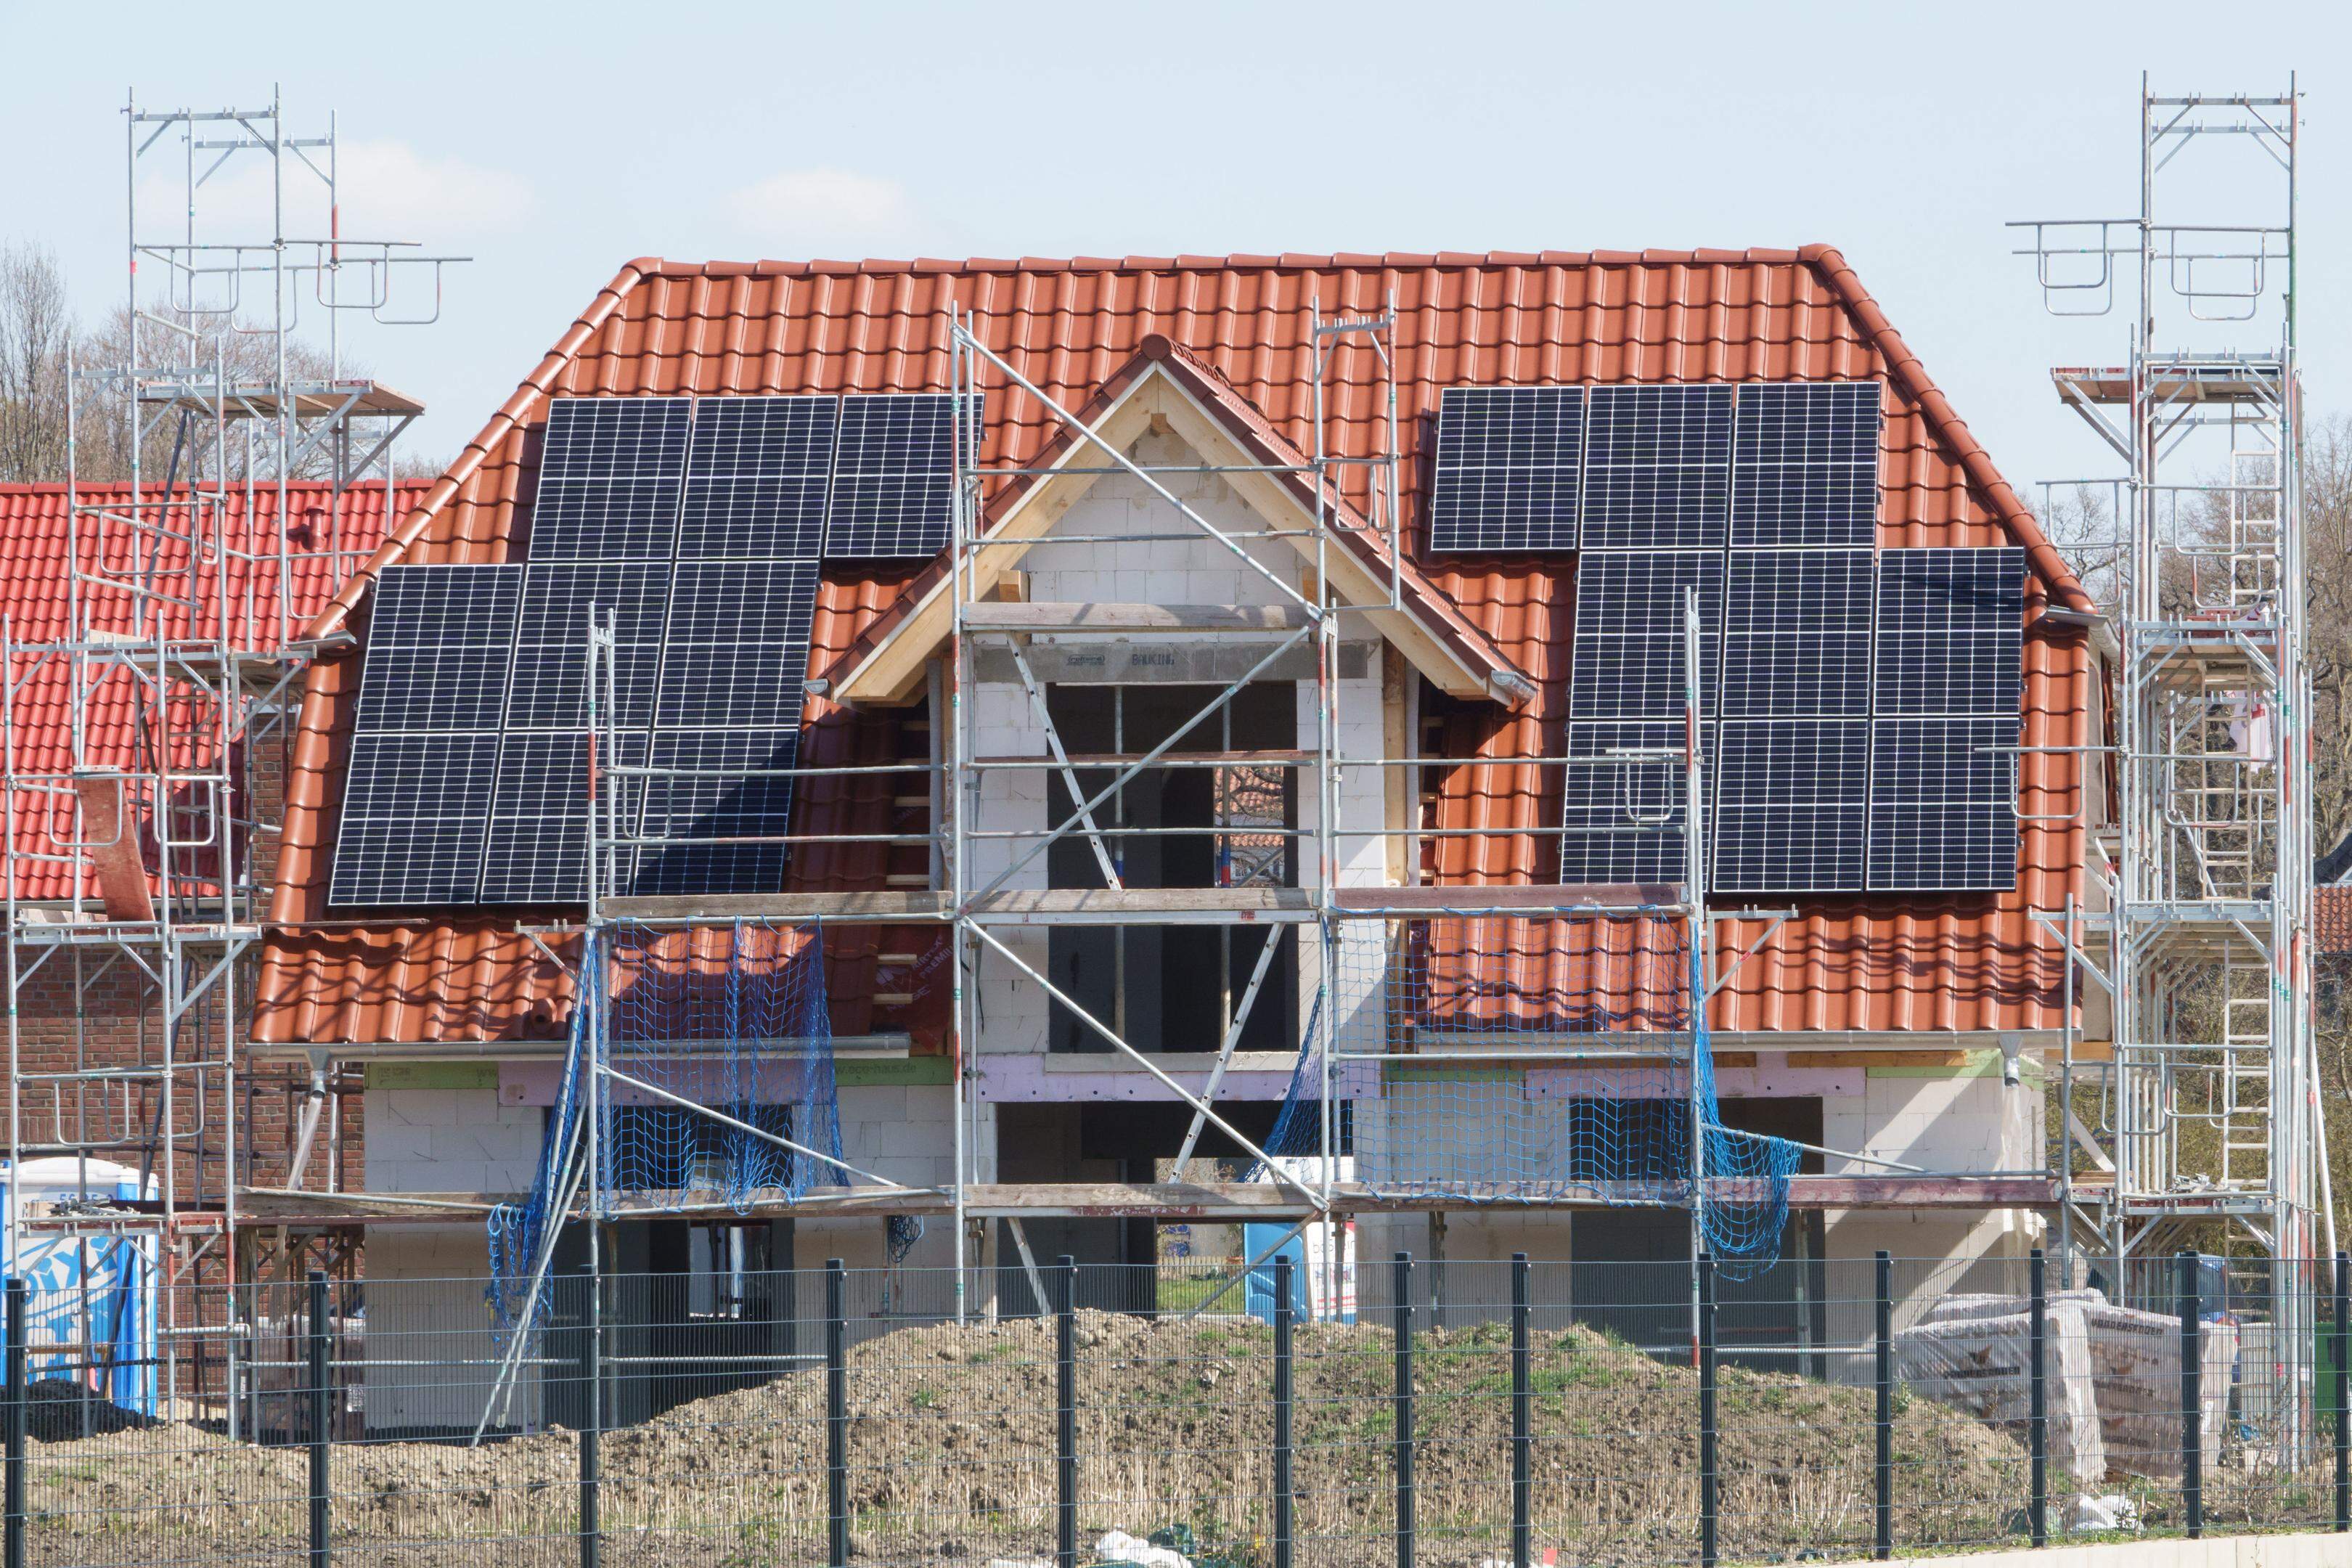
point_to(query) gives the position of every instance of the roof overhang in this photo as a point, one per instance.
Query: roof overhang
(1155, 392)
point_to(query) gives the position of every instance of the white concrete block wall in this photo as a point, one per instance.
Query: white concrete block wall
(902, 1133)
(425, 1304)
(1190, 570)
(905, 1132)
(1363, 796)
(425, 1283)
(1966, 1120)
(449, 1141)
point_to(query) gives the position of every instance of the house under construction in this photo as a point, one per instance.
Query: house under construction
(958, 763)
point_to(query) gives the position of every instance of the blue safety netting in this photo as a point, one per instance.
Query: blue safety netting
(735, 1020)
(1743, 1187)
(731, 1020)
(1510, 1058)
(518, 1232)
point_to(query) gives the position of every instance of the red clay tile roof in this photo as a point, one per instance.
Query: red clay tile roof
(2331, 920)
(325, 540)
(1934, 962)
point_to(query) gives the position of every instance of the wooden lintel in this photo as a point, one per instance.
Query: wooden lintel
(1126, 759)
(1172, 1201)
(1895, 1058)
(1051, 616)
(886, 907)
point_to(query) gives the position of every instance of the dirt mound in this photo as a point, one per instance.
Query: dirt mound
(952, 1444)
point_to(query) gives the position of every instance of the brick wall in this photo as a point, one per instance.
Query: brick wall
(95, 1007)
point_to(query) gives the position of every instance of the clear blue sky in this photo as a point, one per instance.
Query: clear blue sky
(553, 143)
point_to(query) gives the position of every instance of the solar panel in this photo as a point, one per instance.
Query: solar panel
(1629, 633)
(1951, 631)
(1657, 467)
(537, 846)
(1623, 820)
(610, 473)
(730, 805)
(411, 827)
(1943, 803)
(1805, 464)
(757, 473)
(893, 477)
(1505, 476)
(550, 651)
(1796, 635)
(737, 650)
(1792, 803)
(438, 645)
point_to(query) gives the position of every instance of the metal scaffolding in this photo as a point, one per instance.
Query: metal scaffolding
(136, 849)
(2202, 1110)
(1280, 872)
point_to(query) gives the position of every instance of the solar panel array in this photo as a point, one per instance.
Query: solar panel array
(1860, 708)
(1820, 654)
(695, 528)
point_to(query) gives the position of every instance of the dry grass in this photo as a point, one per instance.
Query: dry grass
(950, 1461)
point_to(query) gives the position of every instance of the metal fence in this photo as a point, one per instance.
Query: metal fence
(1469, 1413)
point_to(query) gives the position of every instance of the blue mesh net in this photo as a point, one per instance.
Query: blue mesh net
(1512, 1059)
(732, 1019)
(1743, 1190)
(518, 1232)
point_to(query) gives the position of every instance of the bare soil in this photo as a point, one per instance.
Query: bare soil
(950, 1462)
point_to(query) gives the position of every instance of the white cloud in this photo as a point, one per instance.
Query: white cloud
(394, 193)
(801, 208)
(386, 189)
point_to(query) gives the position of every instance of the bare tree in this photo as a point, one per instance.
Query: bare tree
(2081, 523)
(36, 325)
(183, 444)
(40, 349)
(2327, 647)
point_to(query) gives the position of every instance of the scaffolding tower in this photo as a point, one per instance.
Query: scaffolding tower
(135, 748)
(2198, 1121)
